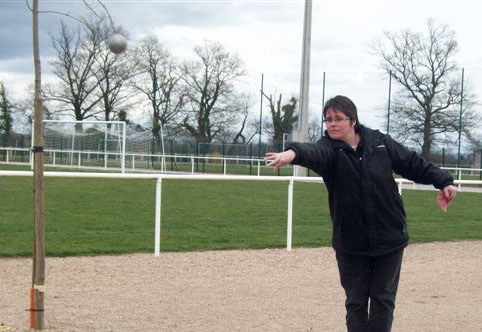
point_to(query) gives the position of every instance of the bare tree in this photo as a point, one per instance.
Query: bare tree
(240, 132)
(252, 128)
(24, 107)
(209, 81)
(112, 73)
(158, 79)
(314, 129)
(283, 118)
(243, 111)
(426, 107)
(75, 68)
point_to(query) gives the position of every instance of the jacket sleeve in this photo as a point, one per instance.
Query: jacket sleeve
(414, 167)
(318, 156)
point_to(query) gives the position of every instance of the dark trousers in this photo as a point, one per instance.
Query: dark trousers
(370, 285)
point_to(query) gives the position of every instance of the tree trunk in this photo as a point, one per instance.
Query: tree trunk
(427, 139)
(38, 273)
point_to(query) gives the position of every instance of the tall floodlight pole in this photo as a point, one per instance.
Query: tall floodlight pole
(460, 117)
(260, 116)
(389, 100)
(302, 128)
(322, 104)
(37, 290)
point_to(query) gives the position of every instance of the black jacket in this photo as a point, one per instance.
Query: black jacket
(366, 209)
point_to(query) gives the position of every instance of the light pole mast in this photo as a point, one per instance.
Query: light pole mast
(300, 133)
(117, 44)
(38, 274)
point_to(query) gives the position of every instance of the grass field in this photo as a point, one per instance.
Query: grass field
(231, 169)
(110, 216)
(212, 168)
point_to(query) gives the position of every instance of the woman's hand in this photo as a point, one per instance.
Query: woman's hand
(280, 159)
(449, 192)
(445, 196)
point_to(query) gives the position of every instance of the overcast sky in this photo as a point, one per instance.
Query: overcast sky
(267, 35)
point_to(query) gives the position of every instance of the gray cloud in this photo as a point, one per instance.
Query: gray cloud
(267, 34)
(14, 30)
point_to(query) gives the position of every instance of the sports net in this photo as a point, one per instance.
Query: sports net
(85, 143)
(102, 144)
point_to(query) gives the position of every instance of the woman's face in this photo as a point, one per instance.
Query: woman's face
(339, 126)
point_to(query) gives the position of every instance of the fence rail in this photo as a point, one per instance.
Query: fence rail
(160, 177)
(167, 163)
(134, 161)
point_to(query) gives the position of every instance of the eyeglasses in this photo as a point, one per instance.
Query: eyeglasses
(336, 119)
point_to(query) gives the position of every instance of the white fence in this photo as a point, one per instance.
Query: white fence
(136, 162)
(84, 159)
(12, 155)
(160, 177)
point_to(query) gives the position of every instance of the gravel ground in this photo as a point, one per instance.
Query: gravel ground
(250, 290)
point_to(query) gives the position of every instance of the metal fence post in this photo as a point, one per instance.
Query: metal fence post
(289, 231)
(480, 167)
(157, 231)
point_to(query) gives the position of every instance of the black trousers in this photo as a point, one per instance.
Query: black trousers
(370, 285)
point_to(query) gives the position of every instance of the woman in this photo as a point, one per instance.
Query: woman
(369, 225)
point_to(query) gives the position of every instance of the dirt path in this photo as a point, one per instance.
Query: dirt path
(260, 290)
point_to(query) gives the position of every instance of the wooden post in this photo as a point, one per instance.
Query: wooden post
(37, 290)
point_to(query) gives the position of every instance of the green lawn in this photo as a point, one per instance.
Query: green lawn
(112, 216)
(231, 169)
(213, 168)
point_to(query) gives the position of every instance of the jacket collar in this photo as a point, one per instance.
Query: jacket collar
(371, 138)
(368, 139)
(342, 145)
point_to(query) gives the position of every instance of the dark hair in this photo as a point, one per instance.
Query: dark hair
(344, 105)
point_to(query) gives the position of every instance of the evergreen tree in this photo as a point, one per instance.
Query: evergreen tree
(6, 108)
